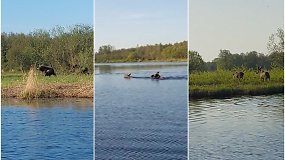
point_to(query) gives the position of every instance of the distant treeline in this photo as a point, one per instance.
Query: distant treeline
(62, 48)
(157, 52)
(249, 60)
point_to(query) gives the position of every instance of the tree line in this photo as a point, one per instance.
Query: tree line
(249, 60)
(61, 47)
(156, 52)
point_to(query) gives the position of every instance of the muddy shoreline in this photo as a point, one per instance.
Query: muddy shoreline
(51, 91)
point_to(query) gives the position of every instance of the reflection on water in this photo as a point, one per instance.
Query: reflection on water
(47, 129)
(237, 128)
(57, 102)
(141, 118)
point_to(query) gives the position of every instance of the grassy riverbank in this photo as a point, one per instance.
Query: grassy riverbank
(60, 86)
(221, 84)
(142, 60)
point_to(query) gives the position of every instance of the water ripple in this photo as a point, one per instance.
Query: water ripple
(237, 128)
(139, 118)
(57, 132)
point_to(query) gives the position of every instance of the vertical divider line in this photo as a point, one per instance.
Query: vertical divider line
(94, 79)
(188, 87)
(1, 84)
(283, 80)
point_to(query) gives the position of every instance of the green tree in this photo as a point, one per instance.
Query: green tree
(224, 61)
(196, 63)
(276, 42)
(106, 49)
(160, 52)
(275, 47)
(277, 59)
(210, 66)
(59, 47)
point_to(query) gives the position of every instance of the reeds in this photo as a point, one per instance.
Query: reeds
(31, 89)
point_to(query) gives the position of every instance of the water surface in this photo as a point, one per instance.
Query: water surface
(47, 129)
(237, 128)
(141, 118)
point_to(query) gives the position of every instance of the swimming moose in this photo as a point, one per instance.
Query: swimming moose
(264, 75)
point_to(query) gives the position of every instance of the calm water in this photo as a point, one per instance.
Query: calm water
(237, 128)
(141, 118)
(47, 129)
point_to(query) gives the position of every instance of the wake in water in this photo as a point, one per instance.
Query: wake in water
(162, 78)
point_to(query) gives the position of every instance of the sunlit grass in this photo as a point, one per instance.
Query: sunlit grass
(35, 85)
(11, 79)
(222, 84)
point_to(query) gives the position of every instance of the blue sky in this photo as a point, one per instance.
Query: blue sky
(27, 15)
(236, 25)
(128, 23)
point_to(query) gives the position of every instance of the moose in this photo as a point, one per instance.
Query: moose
(85, 70)
(78, 69)
(238, 75)
(264, 75)
(48, 71)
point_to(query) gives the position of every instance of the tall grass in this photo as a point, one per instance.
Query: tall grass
(220, 84)
(31, 89)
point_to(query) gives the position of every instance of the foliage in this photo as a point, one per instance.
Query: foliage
(277, 59)
(157, 52)
(60, 48)
(276, 42)
(196, 63)
(250, 60)
(228, 61)
(106, 49)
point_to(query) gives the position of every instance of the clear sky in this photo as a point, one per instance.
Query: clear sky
(236, 25)
(128, 23)
(24, 16)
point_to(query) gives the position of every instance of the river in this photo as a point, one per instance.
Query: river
(141, 118)
(47, 129)
(237, 128)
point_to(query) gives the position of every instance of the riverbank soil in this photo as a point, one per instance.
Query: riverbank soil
(52, 91)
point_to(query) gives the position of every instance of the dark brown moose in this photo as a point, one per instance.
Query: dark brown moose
(48, 71)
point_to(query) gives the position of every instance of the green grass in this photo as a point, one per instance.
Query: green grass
(9, 79)
(221, 84)
(66, 79)
(31, 85)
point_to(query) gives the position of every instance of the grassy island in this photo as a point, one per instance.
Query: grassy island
(221, 84)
